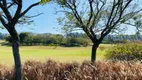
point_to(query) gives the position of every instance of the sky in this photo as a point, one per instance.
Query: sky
(45, 23)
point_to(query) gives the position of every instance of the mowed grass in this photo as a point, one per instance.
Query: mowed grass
(43, 53)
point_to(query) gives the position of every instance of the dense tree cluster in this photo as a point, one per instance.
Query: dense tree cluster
(121, 38)
(2, 36)
(72, 39)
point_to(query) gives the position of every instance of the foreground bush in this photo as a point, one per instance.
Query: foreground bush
(127, 51)
(73, 71)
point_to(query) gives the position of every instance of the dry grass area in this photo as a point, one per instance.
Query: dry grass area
(51, 70)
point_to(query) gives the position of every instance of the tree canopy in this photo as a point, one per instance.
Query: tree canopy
(11, 14)
(97, 16)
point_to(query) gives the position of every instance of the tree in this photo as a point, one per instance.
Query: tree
(23, 36)
(137, 23)
(9, 19)
(1, 36)
(96, 17)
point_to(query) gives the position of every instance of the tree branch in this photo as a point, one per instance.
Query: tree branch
(24, 12)
(10, 5)
(18, 11)
(3, 21)
(91, 13)
(75, 12)
(96, 16)
(6, 12)
(33, 15)
(5, 3)
(109, 27)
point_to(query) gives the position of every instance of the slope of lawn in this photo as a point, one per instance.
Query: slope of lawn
(42, 53)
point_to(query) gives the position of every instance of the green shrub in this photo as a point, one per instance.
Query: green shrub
(127, 51)
(8, 38)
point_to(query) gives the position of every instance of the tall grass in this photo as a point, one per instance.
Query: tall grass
(51, 70)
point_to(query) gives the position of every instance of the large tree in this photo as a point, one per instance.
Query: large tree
(97, 18)
(12, 13)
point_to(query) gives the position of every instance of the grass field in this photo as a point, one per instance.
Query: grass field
(42, 53)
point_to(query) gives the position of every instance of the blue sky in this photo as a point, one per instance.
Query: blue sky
(45, 23)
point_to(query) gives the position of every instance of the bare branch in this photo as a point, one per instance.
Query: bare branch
(6, 12)
(5, 3)
(24, 12)
(33, 15)
(91, 12)
(129, 24)
(3, 21)
(18, 11)
(96, 16)
(75, 12)
(11, 4)
(109, 27)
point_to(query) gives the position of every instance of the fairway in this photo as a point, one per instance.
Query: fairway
(42, 53)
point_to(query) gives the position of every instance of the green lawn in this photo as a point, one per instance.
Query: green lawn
(42, 53)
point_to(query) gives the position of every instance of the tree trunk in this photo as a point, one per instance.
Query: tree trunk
(16, 55)
(94, 50)
(17, 60)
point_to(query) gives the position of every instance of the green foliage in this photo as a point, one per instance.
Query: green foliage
(111, 41)
(123, 21)
(74, 39)
(23, 36)
(127, 51)
(1, 27)
(72, 42)
(84, 42)
(62, 2)
(8, 38)
(44, 1)
(2, 36)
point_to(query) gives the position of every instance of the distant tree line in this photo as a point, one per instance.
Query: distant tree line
(121, 38)
(2, 36)
(72, 39)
